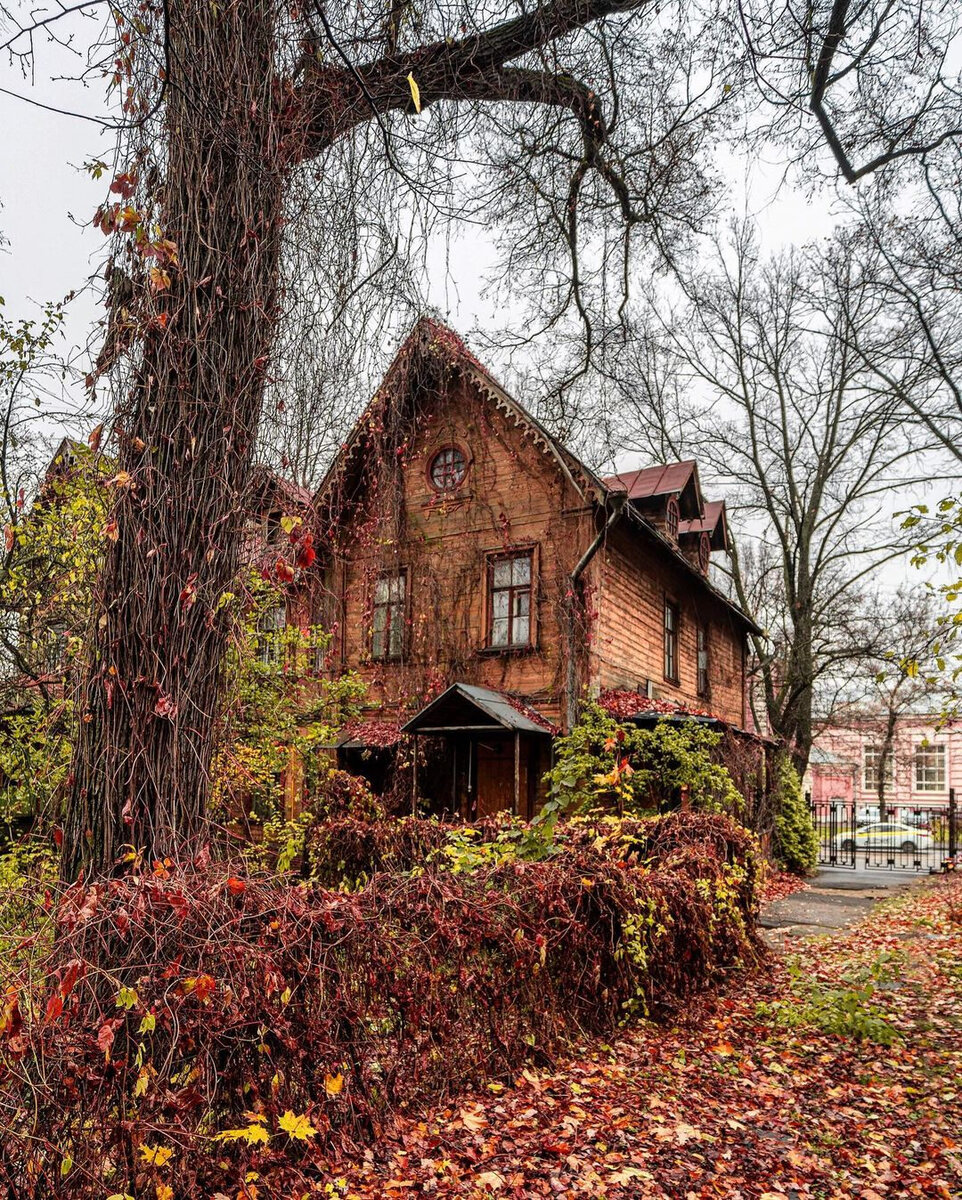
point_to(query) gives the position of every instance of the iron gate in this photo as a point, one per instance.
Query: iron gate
(900, 838)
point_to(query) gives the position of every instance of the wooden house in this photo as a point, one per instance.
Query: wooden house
(483, 582)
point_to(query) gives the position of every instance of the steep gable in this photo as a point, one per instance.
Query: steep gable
(418, 380)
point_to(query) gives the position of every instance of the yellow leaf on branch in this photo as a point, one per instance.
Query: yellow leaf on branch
(298, 1127)
(415, 93)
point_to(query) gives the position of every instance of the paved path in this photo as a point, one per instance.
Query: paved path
(833, 900)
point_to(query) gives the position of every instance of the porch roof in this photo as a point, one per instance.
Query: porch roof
(468, 708)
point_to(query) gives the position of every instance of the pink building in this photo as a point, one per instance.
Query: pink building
(923, 762)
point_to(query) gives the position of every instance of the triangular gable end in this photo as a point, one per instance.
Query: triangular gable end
(431, 344)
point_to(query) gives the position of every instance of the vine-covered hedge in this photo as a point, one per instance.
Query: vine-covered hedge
(190, 1027)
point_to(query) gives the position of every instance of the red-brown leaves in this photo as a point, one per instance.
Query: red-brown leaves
(199, 997)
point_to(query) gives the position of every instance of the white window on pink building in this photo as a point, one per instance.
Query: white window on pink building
(871, 760)
(930, 768)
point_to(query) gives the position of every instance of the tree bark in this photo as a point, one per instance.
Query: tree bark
(186, 437)
(187, 432)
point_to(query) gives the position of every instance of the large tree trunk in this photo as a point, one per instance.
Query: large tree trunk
(186, 437)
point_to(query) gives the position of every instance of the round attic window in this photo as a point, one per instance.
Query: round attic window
(448, 469)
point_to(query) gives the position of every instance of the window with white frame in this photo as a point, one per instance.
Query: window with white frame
(930, 767)
(871, 761)
(509, 586)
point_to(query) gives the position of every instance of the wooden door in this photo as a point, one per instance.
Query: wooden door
(495, 775)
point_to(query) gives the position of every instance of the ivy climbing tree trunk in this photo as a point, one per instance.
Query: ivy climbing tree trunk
(186, 436)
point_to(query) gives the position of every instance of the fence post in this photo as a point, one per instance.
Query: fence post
(953, 825)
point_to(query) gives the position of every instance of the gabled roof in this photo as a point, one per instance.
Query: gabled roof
(432, 342)
(269, 489)
(714, 523)
(432, 339)
(466, 706)
(662, 480)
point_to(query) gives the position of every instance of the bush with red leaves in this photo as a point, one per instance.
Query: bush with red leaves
(191, 1029)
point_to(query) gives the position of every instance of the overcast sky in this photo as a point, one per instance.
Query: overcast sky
(48, 200)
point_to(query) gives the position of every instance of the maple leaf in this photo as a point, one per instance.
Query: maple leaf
(157, 1156)
(297, 1127)
(252, 1134)
(333, 1084)
(475, 1121)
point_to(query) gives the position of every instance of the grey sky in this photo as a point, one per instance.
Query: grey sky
(48, 201)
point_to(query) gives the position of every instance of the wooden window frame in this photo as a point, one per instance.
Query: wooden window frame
(401, 605)
(451, 447)
(704, 553)
(702, 647)
(672, 518)
(270, 635)
(672, 640)
(492, 558)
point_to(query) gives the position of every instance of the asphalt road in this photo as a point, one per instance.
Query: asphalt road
(835, 898)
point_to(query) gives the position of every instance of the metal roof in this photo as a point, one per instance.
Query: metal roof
(467, 706)
(664, 479)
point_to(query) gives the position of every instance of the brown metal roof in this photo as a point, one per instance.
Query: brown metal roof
(714, 522)
(465, 706)
(664, 479)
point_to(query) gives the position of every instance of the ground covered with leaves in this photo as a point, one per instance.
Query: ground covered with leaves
(833, 1073)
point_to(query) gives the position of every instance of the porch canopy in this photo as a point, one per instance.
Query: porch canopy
(489, 772)
(467, 708)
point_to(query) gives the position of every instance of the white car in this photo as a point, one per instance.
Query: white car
(888, 835)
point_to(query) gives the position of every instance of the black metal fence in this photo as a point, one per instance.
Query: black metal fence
(899, 837)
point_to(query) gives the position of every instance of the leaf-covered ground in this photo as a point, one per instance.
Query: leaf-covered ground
(758, 1091)
(779, 884)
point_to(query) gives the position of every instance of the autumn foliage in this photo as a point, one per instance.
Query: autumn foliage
(257, 1027)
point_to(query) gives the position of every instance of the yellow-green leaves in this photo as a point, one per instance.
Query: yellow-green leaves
(252, 1133)
(127, 998)
(296, 1126)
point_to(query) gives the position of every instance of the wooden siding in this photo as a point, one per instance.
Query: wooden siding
(633, 578)
(514, 495)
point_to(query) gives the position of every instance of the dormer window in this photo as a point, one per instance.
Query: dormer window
(671, 518)
(704, 553)
(448, 469)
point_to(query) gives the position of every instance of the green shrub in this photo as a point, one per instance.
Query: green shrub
(846, 1011)
(604, 763)
(794, 840)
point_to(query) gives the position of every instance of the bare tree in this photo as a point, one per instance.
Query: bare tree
(755, 377)
(875, 81)
(908, 677)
